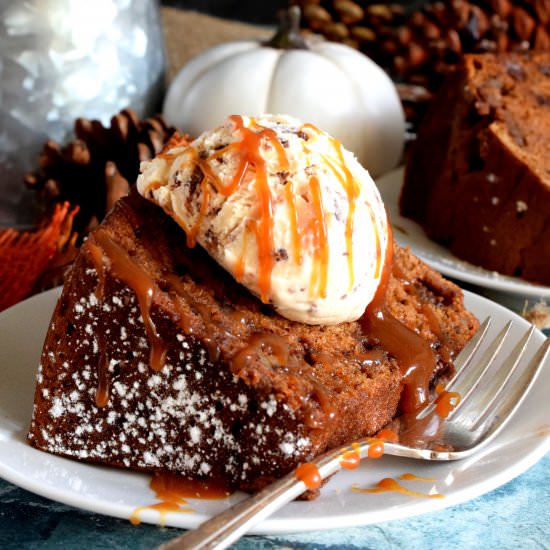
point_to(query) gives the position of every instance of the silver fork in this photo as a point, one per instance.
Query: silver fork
(490, 393)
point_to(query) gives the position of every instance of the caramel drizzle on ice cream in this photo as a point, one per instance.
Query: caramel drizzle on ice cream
(352, 189)
(251, 164)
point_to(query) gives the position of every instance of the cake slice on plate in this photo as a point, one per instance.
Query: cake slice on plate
(315, 331)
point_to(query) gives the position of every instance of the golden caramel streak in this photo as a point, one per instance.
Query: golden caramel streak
(378, 266)
(293, 220)
(336, 167)
(321, 237)
(192, 234)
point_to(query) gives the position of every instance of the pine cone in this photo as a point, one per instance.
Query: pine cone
(419, 47)
(98, 167)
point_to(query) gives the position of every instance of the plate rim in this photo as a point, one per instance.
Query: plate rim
(274, 524)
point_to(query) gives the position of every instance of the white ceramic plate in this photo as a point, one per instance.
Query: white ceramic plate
(408, 233)
(117, 493)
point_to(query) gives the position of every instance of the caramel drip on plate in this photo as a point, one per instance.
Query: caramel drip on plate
(376, 448)
(170, 486)
(414, 477)
(163, 508)
(414, 355)
(390, 484)
(173, 490)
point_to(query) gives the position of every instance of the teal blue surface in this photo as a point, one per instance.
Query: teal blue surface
(516, 515)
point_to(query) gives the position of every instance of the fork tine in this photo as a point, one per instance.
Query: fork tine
(500, 381)
(511, 400)
(462, 360)
(467, 384)
(469, 350)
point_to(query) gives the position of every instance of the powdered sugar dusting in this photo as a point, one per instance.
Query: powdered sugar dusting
(191, 417)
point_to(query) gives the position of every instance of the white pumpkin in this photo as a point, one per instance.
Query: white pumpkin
(331, 85)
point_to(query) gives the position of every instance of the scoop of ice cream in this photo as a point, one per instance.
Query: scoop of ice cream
(284, 208)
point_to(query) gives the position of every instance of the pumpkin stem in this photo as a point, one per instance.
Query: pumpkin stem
(288, 35)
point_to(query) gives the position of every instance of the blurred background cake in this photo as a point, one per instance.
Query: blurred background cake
(478, 178)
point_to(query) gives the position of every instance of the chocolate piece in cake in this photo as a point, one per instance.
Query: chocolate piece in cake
(156, 359)
(478, 178)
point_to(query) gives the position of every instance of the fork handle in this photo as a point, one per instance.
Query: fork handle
(225, 528)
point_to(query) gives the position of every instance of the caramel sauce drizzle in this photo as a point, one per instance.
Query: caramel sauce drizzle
(309, 474)
(414, 477)
(318, 281)
(102, 390)
(252, 163)
(352, 190)
(376, 448)
(446, 401)
(350, 458)
(104, 251)
(389, 484)
(173, 489)
(388, 435)
(250, 158)
(128, 271)
(414, 355)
